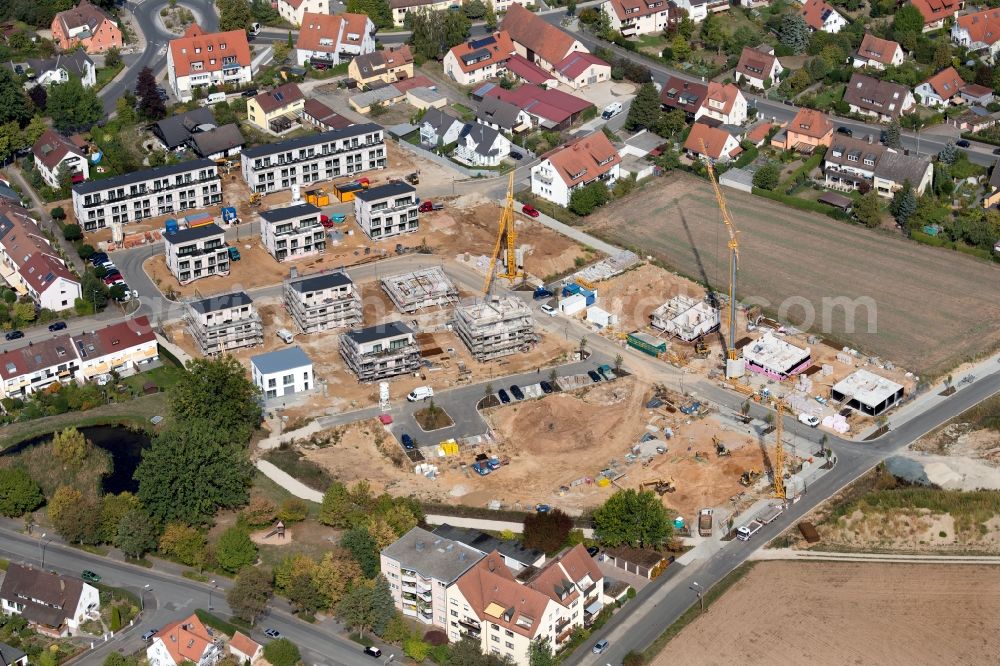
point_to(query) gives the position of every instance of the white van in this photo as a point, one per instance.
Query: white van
(285, 335)
(420, 393)
(612, 110)
(215, 98)
(254, 29)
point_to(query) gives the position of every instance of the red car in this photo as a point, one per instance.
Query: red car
(530, 211)
(113, 279)
(325, 221)
(428, 206)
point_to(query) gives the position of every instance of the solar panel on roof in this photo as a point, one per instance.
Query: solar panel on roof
(484, 41)
(278, 95)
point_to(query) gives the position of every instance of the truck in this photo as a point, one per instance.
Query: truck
(482, 469)
(494, 463)
(692, 408)
(746, 531)
(705, 522)
(234, 254)
(607, 372)
(770, 514)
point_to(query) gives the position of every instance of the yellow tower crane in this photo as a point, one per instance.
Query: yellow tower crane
(734, 257)
(506, 237)
(779, 454)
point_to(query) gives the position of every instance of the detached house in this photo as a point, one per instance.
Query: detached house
(387, 66)
(479, 145)
(200, 60)
(807, 131)
(821, 16)
(579, 163)
(548, 107)
(54, 153)
(48, 71)
(882, 100)
(538, 41)
(942, 89)
(86, 25)
(326, 39)
(185, 641)
(640, 17)
(294, 11)
(438, 128)
(31, 266)
(276, 110)
(978, 31)
(852, 163)
(479, 59)
(684, 95)
(758, 69)
(578, 70)
(52, 604)
(503, 116)
(723, 103)
(878, 53)
(713, 143)
(936, 12)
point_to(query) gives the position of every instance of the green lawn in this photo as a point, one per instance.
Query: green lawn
(105, 74)
(828, 96)
(466, 113)
(653, 44)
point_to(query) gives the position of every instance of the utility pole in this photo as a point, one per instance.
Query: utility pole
(700, 592)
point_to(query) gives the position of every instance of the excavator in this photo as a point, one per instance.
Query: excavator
(256, 198)
(749, 477)
(660, 486)
(700, 348)
(720, 448)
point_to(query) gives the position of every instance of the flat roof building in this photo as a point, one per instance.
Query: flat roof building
(687, 318)
(322, 301)
(420, 289)
(292, 232)
(283, 372)
(196, 252)
(772, 356)
(380, 351)
(387, 211)
(515, 555)
(224, 322)
(867, 392)
(495, 327)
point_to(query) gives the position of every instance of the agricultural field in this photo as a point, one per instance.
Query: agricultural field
(932, 308)
(846, 613)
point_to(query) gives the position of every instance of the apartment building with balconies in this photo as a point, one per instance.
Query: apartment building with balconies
(147, 193)
(322, 301)
(380, 351)
(224, 322)
(338, 153)
(292, 232)
(387, 211)
(196, 253)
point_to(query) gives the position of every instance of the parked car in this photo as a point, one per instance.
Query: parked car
(600, 646)
(428, 206)
(516, 391)
(325, 221)
(98, 258)
(530, 210)
(542, 508)
(254, 29)
(546, 387)
(846, 131)
(809, 420)
(420, 393)
(541, 293)
(691, 408)
(148, 636)
(593, 551)
(272, 633)
(594, 377)
(112, 280)
(549, 310)
(407, 442)
(14, 335)
(252, 92)
(90, 576)
(373, 651)
(962, 143)
(57, 326)
(514, 155)
(504, 398)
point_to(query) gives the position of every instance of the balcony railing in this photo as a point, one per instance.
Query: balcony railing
(143, 191)
(272, 163)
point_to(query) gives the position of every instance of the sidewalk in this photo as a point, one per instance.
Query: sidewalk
(289, 483)
(575, 234)
(765, 554)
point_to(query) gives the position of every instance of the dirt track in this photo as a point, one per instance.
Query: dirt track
(934, 307)
(860, 614)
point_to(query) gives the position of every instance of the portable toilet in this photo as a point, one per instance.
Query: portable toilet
(679, 523)
(171, 226)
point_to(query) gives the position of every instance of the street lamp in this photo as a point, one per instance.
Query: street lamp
(699, 591)
(212, 582)
(42, 543)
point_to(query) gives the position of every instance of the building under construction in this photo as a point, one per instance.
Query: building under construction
(494, 327)
(686, 317)
(420, 289)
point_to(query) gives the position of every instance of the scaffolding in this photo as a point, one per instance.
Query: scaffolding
(494, 327)
(420, 289)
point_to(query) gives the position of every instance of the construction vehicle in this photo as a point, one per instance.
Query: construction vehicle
(733, 368)
(720, 448)
(256, 198)
(234, 254)
(413, 178)
(705, 522)
(700, 349)
(506, 238)
(660, 486)
(749, 477)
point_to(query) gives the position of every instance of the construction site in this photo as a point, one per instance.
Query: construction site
(420, 290)
(495, 326)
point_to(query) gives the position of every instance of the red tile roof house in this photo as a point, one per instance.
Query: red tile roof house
(877, 53)
(332, 39)
(524, 70)
(941, 89)
(53, 153)
(577, 164)
(31, 266)
(578, 70)
(293, 11)
(821, 16)
(936, 12)
(712, 142)
(245, 649)
(540, 42)
(322, 117)
(758, 69)
(86, 25)
(978, 31)
(199, 60)
(640, 17)
(184, 641)
(53, 605)
(476, 60)
(552, 109)
(723, 103)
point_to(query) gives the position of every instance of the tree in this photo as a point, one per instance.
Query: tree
(282, 652)
(632, 518)
(794, 32)
(336, 506)
(251, 591)
(19, 493)
(948, 154)
(868, 210)
(540, 653)
(259, 511)
(334, 575)
(293, 510)
(73, 107)
(39, 97)
(150, 104)
(377, 10)
(681, 48)
(137, 533)
(584, 200)
(474, 9)
(766, 177)
(14, 103)
(11, 139)
(892, 135)
(304, 594)
(644, 112)
(907, 20)
(234, 15)
(903, 204)
(546, 531)
(362, 547)
(491, 16)
(112, 57)
(184, 543)
(218, 393)
(942, 56)
(113, 509)
(571, 8)
(76, 518)
(434, 33)
(71, 447)
(367, 606)
(712, 34)
(235, 550)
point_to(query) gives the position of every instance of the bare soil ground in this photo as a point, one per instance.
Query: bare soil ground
(962, 439)
(839, 613)
(909, 530)
(931, 311)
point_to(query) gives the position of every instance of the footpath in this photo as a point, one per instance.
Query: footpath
(817, 555)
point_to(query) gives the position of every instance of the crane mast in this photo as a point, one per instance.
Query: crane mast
(506, 238)
(779, 455)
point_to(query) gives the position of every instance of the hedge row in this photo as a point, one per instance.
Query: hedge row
(803, 204)
(972, 136)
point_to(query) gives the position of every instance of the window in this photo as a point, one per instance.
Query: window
(288, 379)
(510, 646)
(495, 638)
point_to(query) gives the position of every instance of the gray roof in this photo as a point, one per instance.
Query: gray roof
(496, 111)
(426, 94)
(431, 555)
(320, 282)
(217, 140)
(9, 655)
(379, 332)
(280, 361)
(484, 137)
(994, 177)
(644, 141)
(7, 192)
(874, 95)
(142, 176)
(486, 544)
(57, 595)
(898, 168)
(383, 191)
(75, 62)
(312, 140)
(176, 130)
(440, 121)
(369, 97)
(221, 302)
(193, 233)
(289, 212)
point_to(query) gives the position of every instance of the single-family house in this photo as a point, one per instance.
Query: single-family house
(723, 103)
(31, 266)
(589, 159)
(713, 143)
(878, 53)
(504, 116)
(640, 17)
(245, 649)
(199, 60)
(52, 604)
(276, 110)
(175, 132)
(87, 25)
(389, 65)
(941, 89)
(185, 641)
(578, 70)
(282, 372)
(936, 12)
(294, 11)
(758, 69)
(993, 198)
(439, 128)
(973, 93)
(400, 8)
(480, 145)
(883, 100)
(329, 39)
(218, 142)
(55, 153)
(550, 108)
(12, 656)
(321, 117)
(855, 163)
(978, 31)
(47, 71)
(821, 16)
(677, 93)
(696, 10)
(537, 40)
(806, 132)
(476, 60)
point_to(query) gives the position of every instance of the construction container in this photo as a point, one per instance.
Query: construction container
(591, 296)
(318, 198)
(570, 289)
(646, 343)
(345, 191)
(573, 304)
(171, 226)
(198, 220)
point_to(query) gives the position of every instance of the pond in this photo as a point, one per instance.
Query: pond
(124, 445)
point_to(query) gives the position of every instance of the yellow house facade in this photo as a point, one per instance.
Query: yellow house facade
(386, 66)
(285, 100)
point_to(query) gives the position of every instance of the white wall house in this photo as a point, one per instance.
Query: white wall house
(387, 211)
(31, 266)
(283, 372)
(196, 253)
(185, 641)
(725, 103)
(477, 60)
(200, 60)
(292, 232)
(757, 69)
(53, 153)
(583, 161)
(821, 16)
(878, 53)
(638, 17)
(333, 39)
(978, 31)
(49, 71)
(480, 145)
(52, 604)
(293, 10)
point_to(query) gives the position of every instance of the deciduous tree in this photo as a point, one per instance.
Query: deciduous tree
(362, 547)
(907, 21)
(184, 543)
(39, 97)
(71, 447)
(113, 509)
(251, 591)
(367, 606)
(259, 511)
(766, 177)
(218, 392)
(282, 652)
(584, 200)
(14, 103)
(868, 210)
(334, 575)
(540, 653)
(19, 493)
(150, 104)
(632, 518)
(73, 107)
(235, 550)
(137, 533)
(234, 15)
(546, 531)
(377, 10)
(75, 517)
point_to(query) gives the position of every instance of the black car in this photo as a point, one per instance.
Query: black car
(372, 651)
(14, 335)
(594, 377)
(98, 258)
(546, 387)
(407, 442)
(846, 131)
(272, 633)
(250, 93)
(593, 551)
(58, 326)
(514, 155)
(504, 398)
(516, 391)
(148, 636)
(962, 143)
(996, 151)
